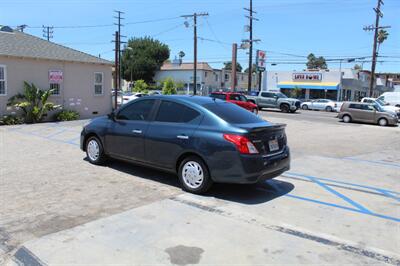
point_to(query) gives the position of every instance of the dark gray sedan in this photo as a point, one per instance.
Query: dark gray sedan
(201, 139)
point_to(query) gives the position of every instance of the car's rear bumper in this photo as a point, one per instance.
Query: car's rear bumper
(253, 169)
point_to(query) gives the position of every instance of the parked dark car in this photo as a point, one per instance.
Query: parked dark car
(201, 139)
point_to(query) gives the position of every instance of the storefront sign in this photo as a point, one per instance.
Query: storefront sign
(55, 76)
(260, 60)
(307, 76)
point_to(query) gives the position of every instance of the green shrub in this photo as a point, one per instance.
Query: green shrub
(67, 115)
(169, 87)
(140, 86)
(11, 120)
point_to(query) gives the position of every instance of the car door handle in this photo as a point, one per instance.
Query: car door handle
(182, 137)
(137, 131)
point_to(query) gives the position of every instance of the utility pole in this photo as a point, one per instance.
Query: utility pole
(48, 32)
(21, 27)
(250, 41)
(194, 16)
(379, 15)
(119, 18)
(116, 75)
(234, 63)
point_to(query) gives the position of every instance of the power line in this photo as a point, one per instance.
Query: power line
(103, 25)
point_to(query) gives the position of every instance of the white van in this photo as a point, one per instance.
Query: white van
(392, 98)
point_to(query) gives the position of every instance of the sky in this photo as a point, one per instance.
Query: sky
(288, 29)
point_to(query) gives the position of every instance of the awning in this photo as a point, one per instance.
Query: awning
(309, 85)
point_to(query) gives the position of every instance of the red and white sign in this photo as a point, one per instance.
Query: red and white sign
(55, 76)
(261, 58)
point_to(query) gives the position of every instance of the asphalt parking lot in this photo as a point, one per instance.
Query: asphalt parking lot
(339, 204)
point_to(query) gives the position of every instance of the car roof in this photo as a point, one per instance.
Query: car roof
(200, 100)
(225, 92)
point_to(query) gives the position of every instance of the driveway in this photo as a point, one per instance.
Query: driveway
(338, 204)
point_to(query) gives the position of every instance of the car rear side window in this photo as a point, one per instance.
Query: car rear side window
(218, 96)
(232, 113)
(355, 106)
(172, 112)
(136, 111)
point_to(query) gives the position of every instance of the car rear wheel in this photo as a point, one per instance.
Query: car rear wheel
(285, 108)
(346, 119)
(382, 122)
(94, 151)
(305, 107)
(328, 109)
(194, 176)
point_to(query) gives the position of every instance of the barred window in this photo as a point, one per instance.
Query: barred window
(98, 83)
(3, 80)
(56, 88)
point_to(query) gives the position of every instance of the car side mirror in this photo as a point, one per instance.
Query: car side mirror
(111, 116)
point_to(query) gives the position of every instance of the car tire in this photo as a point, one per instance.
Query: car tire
(194, 175)
(255, 111)
(293, 111)
(285, 108)
(346, 119)
(259, 108)
(329, 109)
(382, 122)
(94, 151)
(304, 107)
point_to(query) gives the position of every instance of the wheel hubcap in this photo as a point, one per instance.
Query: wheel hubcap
(93, 150)
(193, 174)
(382, 122)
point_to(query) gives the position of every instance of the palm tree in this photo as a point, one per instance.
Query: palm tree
(33, 102)
(382, 36)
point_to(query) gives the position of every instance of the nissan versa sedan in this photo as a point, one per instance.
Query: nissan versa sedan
(201, 139)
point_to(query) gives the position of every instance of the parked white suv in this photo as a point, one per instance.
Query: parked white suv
(383, 105)
(392, 98)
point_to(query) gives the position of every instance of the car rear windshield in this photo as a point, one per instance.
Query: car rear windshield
(232, 113)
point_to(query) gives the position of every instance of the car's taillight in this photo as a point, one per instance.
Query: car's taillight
(242, 143)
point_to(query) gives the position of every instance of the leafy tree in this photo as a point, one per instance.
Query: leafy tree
(140, 86)
(357, 67)
(228, 66)
(181, 54)
(33, 102)
(316, 62)
(169, 87)
(253, 69)
(143, 58)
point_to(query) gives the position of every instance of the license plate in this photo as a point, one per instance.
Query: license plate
(273, 145)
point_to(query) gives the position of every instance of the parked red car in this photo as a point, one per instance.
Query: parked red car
(236, 98)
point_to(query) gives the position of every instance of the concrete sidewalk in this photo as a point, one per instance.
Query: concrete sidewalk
(184, 230)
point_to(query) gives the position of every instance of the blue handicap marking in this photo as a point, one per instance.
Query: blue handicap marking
(358, 208)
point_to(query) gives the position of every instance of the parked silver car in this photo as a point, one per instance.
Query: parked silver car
(320, 104)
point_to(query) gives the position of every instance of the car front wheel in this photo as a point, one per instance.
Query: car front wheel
(328, 109)
(305, 107)
(285, 108)
(194, 176)
(94, 151)
(382, 122)
(346, 119)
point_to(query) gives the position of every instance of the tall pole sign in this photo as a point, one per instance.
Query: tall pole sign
(260, 60)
